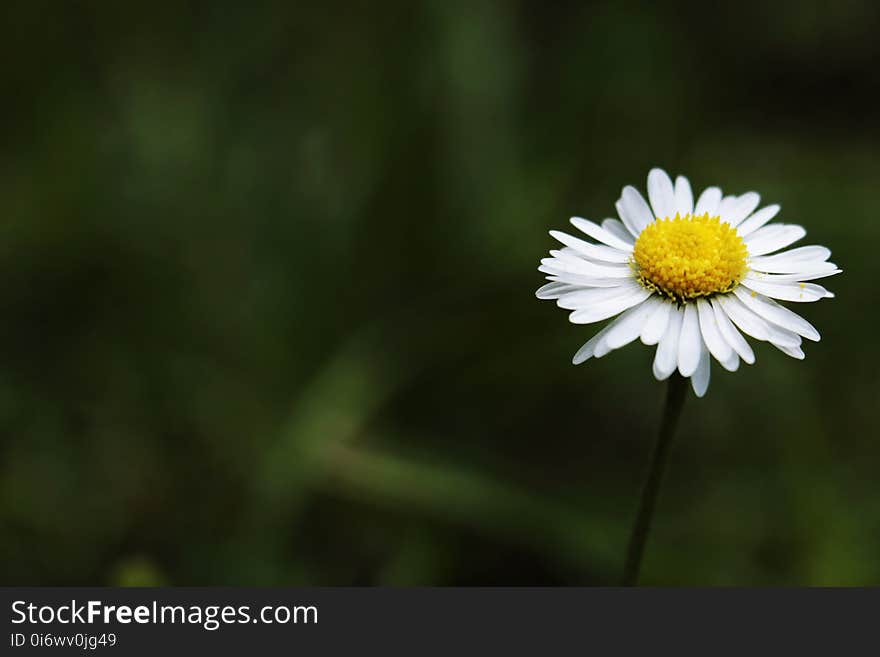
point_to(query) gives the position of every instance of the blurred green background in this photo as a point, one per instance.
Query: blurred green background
(267, 278)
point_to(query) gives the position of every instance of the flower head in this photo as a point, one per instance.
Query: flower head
(689, 278)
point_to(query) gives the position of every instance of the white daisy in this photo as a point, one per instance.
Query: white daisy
(689, 278)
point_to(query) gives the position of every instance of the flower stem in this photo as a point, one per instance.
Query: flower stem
(675, 394)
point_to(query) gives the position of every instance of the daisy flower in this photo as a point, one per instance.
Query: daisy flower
(690, 278)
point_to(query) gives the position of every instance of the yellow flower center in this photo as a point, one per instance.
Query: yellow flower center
(689, 257)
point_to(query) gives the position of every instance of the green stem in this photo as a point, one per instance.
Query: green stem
(675, 394)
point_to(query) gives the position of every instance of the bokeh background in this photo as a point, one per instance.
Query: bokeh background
(267, 276)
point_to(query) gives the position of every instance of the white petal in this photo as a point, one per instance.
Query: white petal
(700, 379)
(661, 193)
(747, 321)
(794, 352)
(742, 208)
(609, 307)
(756, 326)
(730, 333)
(793, 291)
(578, 281)
(588, 297)
(708, 202)
(732, 363)
(757, 220)
(716, 344)
(666, 356)
(597, 346)
(780, 337)
(773, 312)
(772, 238)
(627, 327)
(570, 258)
(753, 325)
(794, 260)
(726, 206)
(690, 342)
(616, 228)
(654, 328)
(553, 290)
(684, 197)
(807, 275)
(565, 263)
(811, 252)
(586, 352)
(593, 251)
(634, 211)
(598, 233)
